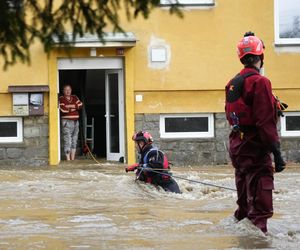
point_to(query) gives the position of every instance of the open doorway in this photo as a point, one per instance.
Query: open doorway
(102, 115)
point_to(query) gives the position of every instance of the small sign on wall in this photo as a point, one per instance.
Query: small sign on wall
(21, 110)
(158, 54)
(20, 99)
(36, 104)
(20, 104)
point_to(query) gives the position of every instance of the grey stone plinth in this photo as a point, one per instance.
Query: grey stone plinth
(188, 151)
(14, 153)
(2, 153)
(33, 151)
(200, 151)
(44, 130)
(31, 132)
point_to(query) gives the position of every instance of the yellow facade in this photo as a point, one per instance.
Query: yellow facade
(202, 58)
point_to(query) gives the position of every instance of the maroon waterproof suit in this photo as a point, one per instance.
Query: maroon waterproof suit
(250, 150)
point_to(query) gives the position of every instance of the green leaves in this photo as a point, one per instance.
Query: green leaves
(22, 22)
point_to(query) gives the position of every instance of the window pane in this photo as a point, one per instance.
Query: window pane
(292, 123)
(114, 112)
(186, 124)
(8, 129)
(289, 18)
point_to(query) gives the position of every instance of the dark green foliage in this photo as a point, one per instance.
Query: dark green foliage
(24, 21)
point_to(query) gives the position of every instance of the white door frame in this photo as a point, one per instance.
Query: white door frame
(115, 156)
(106, 63)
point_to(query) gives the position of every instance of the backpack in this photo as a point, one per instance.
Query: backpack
(238, 112)
(166, 162)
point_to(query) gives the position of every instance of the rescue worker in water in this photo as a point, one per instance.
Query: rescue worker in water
(153, 164)
(252, 111)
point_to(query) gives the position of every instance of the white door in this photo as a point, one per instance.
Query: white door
(114, 96)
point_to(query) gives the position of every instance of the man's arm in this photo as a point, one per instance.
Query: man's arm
(264, 114)
(62, 106)
(78, 103)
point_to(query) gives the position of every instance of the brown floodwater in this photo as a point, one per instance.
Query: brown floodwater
(87, 206)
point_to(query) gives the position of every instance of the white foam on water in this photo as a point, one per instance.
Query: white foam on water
(194, 222)
(80, 246)
(89, 218)
(241, 228)
(94, 225)
(13, 222)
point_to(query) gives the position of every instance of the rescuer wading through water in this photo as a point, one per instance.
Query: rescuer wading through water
(153, 166)
(252, 111)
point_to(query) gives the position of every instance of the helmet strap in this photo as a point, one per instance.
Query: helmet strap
(141, 148)
(262, 60)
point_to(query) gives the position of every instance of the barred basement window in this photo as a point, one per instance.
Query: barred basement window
(290, 124)
(11, 130)
(187, 126)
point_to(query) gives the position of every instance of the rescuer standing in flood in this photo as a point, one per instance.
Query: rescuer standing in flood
(252, 111)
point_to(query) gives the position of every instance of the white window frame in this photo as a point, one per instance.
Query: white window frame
(278, 40)
(13, 139)
(208, 134)
(188, 2)
(283, 131)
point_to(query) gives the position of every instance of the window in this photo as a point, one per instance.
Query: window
(188, 2)
(287, 22)
(11, 130)
(290, 124)
(187, 126)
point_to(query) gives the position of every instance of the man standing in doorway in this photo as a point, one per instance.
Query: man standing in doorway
(252, 111)
(69, 105)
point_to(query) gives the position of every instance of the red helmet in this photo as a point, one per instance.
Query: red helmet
(143, 136)
(250, 45)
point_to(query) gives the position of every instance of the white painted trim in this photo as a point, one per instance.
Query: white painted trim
(14, 139)
(115, 156)
(187, 2)
(108, 64)
(283, 131)
(281, 41)
(103, 45)
(90, 63)
(59, 119)
(208, 134)
(287, 49)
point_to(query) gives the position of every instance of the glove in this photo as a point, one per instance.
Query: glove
(281, 106)
(279, 162)
(132, 167)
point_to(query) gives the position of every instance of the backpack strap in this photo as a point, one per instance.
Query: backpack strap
(164, 158)
(146, 155)
(236, 86)
(249, 74)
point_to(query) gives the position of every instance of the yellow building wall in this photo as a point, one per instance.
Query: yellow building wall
(203, 46)
(203, 56)
(36, 73)
(202, 60)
